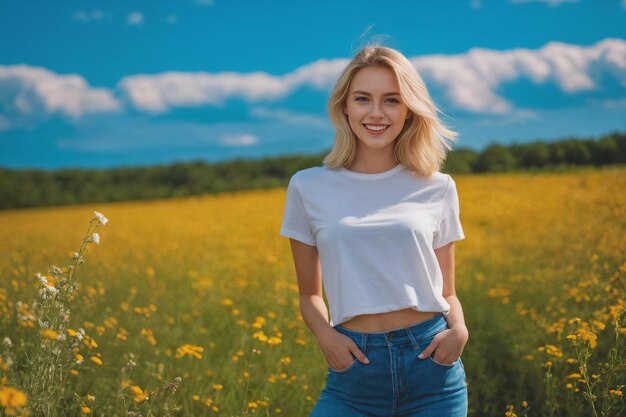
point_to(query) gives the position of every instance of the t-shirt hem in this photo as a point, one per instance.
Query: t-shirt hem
(435, 308)
(448, 240)
(298, 236)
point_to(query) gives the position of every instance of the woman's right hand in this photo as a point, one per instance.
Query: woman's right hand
(338, 350)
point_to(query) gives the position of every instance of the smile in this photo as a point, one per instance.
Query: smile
(376, 129)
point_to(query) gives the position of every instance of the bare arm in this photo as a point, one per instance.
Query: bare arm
(336, 347)
(451, 340)
(445, 257)
(308, 271)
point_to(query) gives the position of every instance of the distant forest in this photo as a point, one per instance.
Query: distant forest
(35, 188)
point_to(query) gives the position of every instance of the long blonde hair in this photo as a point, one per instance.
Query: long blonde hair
(421, 145)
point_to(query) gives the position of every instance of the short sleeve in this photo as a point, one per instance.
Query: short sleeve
(450, 228)
(295, 220)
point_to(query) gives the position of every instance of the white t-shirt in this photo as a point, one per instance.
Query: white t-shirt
(375, 235)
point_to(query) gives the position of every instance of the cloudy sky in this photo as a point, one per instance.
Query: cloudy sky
(103, 83)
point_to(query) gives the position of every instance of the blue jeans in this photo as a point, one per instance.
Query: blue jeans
(396, 383)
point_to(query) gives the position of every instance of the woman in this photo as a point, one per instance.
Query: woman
(377, 224)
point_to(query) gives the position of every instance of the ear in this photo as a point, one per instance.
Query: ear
(409, 116)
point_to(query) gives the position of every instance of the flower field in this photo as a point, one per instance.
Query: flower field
(189, 306)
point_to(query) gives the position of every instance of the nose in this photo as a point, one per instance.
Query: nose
(376, 110)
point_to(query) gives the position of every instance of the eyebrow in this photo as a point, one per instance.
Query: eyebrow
(366, 93)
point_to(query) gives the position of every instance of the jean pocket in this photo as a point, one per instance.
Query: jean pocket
(441, 364)
(343, 371)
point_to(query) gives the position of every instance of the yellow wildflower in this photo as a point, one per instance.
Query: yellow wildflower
(260, 335)
(90, 342)
(189, 350)
(553, 351)
(49, 334)
(122, 334)
(274, 340)
(510, 412)
(140, 395)
(11, 398)
(149, 335)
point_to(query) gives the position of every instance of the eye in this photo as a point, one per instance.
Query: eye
(359, 98)
(394, 100)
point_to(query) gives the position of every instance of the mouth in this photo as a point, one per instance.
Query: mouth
(376, 129)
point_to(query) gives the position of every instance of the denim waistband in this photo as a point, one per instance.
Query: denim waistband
(397, 336)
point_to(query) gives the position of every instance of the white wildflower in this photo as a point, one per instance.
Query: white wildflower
(56, 270)
(53, 290)
(95, 238)
(43, 279)
(103, 220)
(76, 255)
(61, 336)
(7, 342)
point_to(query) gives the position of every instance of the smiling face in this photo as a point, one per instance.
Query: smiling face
(374, 107)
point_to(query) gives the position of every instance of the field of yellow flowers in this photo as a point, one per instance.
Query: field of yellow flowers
(189, 306)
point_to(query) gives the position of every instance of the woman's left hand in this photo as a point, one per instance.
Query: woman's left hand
(448, 345)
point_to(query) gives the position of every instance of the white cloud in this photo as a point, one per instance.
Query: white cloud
(134, 19)
(239, 140)
(158, 93)
(320, 74)
(28, 94)
(171, 19)
(471, 79)
(551, 3)
(84, 16)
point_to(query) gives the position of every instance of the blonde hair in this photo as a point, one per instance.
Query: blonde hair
(420, 146)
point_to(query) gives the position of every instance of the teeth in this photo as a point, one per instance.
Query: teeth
(377, 128)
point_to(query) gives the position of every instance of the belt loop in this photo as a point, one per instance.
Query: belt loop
(410, 333)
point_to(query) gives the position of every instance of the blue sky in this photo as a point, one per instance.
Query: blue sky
(97, 84)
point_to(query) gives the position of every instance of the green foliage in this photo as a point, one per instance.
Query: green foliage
(32, 188)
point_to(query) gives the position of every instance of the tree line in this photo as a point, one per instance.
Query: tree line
(35, 188)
